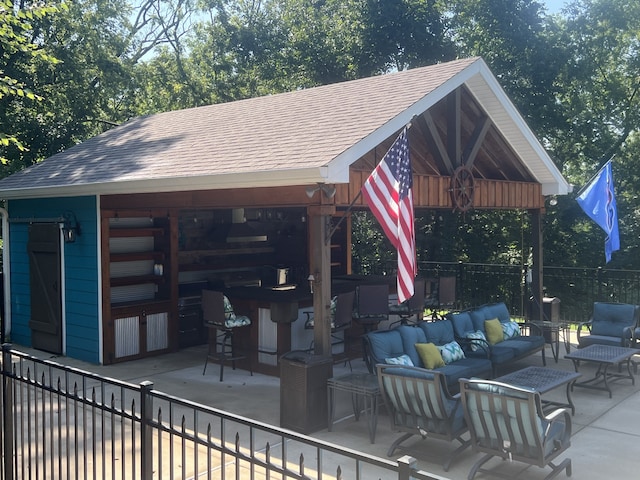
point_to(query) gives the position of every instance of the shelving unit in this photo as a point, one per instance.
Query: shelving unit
(139, 285)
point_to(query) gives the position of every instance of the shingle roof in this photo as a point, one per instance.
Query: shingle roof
(301, 137)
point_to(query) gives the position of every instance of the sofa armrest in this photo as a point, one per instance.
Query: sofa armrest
(534, 328)
(465, 343)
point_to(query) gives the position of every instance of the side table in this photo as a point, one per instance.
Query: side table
(552, 332)
(364, 397)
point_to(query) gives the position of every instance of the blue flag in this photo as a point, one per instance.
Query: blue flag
(599, 202)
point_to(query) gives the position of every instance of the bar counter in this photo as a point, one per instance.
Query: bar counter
(277, 324)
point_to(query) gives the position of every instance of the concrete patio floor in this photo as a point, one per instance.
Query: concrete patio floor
(605, 440)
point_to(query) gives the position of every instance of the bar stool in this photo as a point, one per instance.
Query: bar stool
(412, 306)
(372, 307)
(220, 318)
(341, 317)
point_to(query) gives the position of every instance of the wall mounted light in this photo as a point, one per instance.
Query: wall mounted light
(553, 200)
(328, 190)
(70, 227)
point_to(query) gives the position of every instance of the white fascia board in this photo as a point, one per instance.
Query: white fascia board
(339, 165)
(274, 178)
(555, 183)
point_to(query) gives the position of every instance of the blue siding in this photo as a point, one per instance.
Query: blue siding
(81, 274)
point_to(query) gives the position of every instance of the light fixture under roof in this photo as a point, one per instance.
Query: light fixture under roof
(328, 190)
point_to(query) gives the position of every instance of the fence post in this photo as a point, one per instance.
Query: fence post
(406, 466)
(146, 433)
(7, 412)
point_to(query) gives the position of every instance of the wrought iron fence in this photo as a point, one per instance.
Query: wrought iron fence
(576, 288)
(62, 422)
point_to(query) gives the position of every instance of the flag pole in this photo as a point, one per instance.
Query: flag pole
(337, 225)
(594, 176)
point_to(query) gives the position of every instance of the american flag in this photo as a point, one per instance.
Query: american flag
(389, 196)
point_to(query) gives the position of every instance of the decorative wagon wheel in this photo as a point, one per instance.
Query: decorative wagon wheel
(462, 187)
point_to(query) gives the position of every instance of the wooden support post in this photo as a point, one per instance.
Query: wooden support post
(538, 265)
(320, 268)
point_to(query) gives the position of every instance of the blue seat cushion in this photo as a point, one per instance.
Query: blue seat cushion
(600, 340)
(610, 319)
(411, 372)
(438, 333)
(462, 323)
(519, 346)
(411, 335)
(501, 353)
(534, 341)
(476, 367)
(454, 372)
(479, 316)
(385, 344)
(499, 311)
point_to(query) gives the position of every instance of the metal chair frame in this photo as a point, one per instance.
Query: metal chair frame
(214, 316)
(508, 422)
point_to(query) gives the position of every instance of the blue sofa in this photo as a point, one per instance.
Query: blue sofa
(383, 346)
(528, 339)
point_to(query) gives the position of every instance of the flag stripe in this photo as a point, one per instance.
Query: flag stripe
(388, 192)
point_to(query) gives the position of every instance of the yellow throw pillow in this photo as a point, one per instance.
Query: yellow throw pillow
(430, 355)
(493, 329)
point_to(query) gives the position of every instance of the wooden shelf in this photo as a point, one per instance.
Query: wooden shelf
(135, 232)
(134, 256)
(137, 280)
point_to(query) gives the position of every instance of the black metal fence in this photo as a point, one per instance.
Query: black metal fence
(576, 288)
(61, 422)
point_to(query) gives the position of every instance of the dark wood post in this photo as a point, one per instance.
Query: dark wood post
(538, 265)
(320, 268)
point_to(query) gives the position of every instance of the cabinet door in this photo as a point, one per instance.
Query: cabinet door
(139, 332)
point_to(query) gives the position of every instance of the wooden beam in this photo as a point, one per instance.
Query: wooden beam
(440, 151)
(475, 142)
(454, 127)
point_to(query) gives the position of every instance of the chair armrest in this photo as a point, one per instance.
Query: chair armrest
(586, 325)
(560, 415)
(308, 323)
(534, 328)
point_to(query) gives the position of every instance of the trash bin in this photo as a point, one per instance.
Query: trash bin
(551, 309)
(303, 391)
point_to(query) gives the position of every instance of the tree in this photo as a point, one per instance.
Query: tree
(602, 103)
(17, 44)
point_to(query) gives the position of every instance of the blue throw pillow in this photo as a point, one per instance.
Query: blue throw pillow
(510, 330)
(401, 360)
(451, 352)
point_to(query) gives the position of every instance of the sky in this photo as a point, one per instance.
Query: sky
(554, 6)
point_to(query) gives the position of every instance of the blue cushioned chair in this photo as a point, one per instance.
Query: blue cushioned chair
(610, 324)
(221, 320)
(419, 403)
(508, 422)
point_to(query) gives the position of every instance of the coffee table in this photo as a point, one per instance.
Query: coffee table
(364, 397)
(604, 356)
(543, 379)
